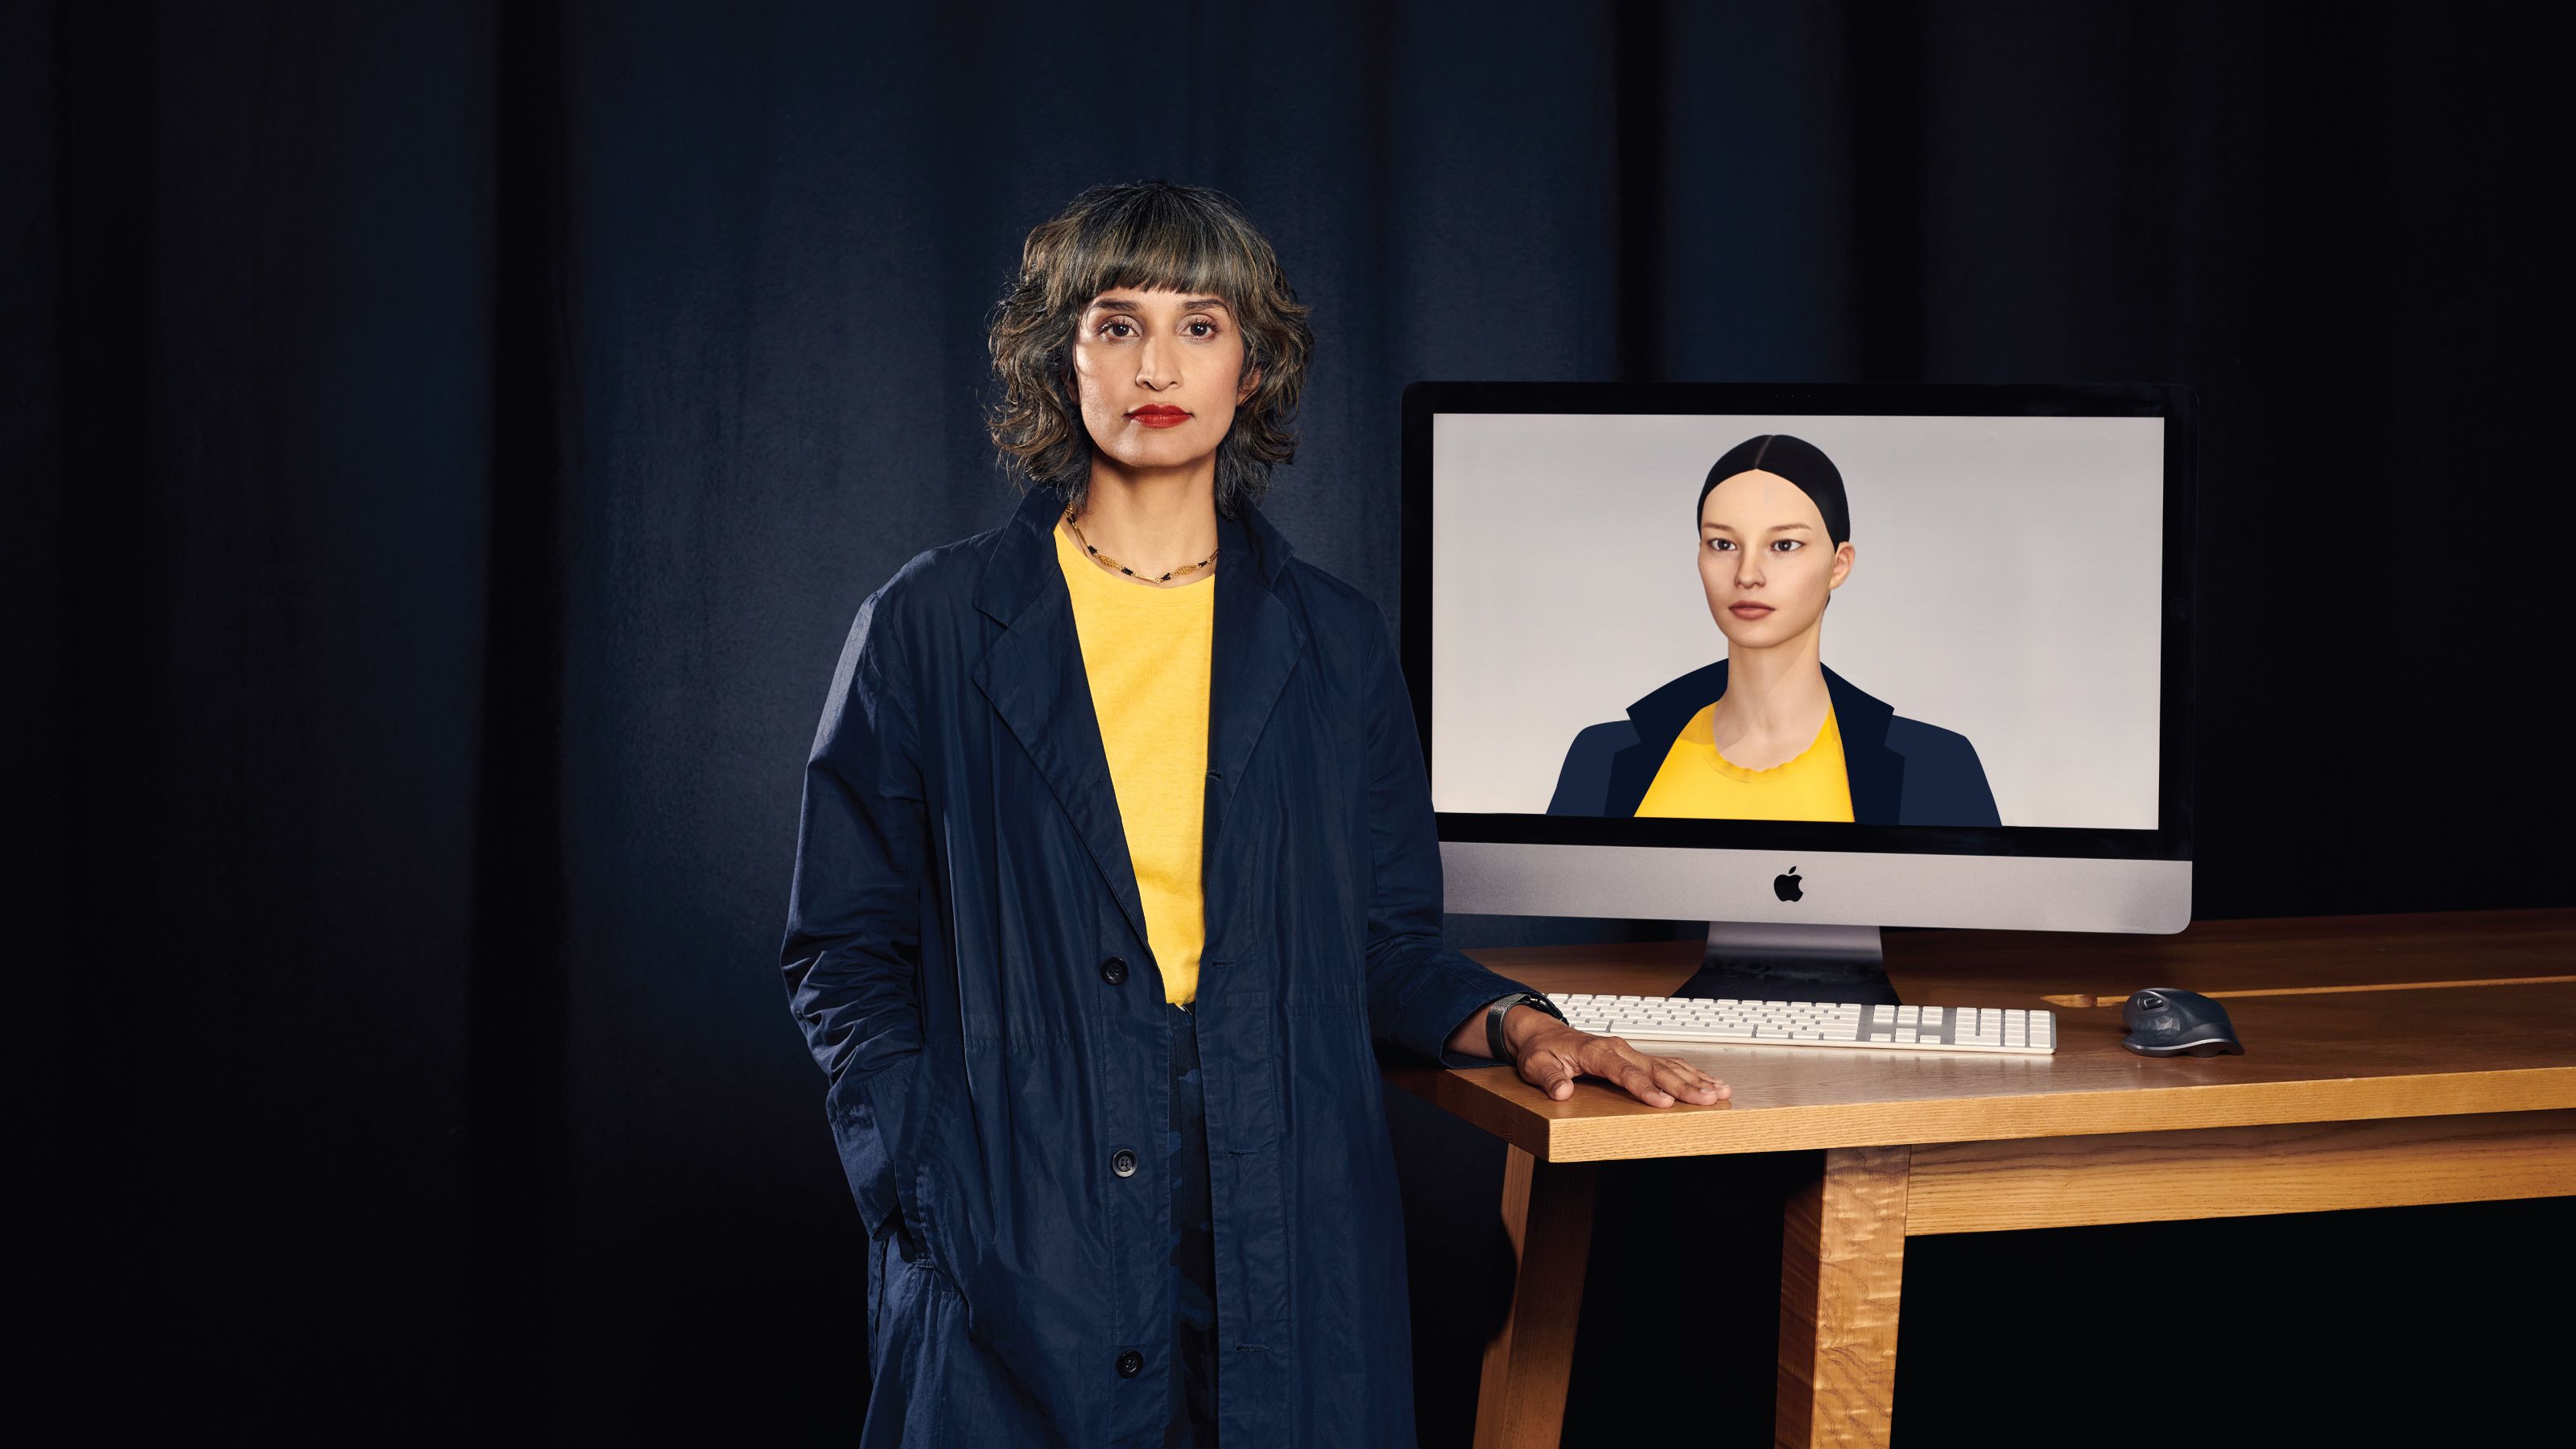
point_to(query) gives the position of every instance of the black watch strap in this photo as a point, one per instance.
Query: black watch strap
(1501, 1007)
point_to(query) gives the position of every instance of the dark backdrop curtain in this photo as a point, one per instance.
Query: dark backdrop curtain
(446, 444)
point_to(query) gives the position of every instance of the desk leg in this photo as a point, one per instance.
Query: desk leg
(1842, 1264)
(1547, 1211)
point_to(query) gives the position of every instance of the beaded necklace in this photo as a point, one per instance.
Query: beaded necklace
(1113, 563)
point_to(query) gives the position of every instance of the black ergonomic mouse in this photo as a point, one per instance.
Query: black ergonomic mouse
(2163, 1022)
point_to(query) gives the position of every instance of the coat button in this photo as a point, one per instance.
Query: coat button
(1114, 970)
(1123, 1162)
(1130, 1364)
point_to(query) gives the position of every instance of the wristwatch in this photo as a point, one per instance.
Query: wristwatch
(1500, 1008)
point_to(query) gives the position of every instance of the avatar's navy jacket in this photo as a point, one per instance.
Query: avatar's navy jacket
(1901, 771)
(966, 952)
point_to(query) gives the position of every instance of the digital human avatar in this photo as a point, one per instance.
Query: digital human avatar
(1768, 732)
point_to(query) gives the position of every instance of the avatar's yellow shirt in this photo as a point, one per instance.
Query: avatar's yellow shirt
(1145, 650)
(1695, 780)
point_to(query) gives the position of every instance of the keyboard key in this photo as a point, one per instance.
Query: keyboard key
(1907, 1028)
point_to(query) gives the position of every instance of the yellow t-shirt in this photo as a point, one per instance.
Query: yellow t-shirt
(1695, 780)
(1146, 652)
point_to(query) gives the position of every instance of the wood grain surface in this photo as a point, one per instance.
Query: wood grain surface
(1547, 1214)
(1975, 1187)
(1842, 1278)
(2309, 1058)
(2114, 1003)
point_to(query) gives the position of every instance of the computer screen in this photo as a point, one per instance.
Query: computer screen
(1610, 586)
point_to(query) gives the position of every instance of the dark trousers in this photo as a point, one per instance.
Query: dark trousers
(1193, 1256)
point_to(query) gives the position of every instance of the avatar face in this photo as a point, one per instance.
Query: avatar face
(1766, 561)
(1159, 375)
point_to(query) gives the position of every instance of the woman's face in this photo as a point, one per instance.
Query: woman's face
(1159, 375)
(1765, 559)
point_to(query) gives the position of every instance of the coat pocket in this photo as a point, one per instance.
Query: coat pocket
(1241, 1032)
(1327, 1061)
(866, 1111)
(891, 1127)
(932, 1187)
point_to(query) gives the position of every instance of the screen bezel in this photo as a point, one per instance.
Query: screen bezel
(2175, 404)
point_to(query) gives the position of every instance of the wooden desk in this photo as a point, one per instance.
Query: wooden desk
(2374, 1098)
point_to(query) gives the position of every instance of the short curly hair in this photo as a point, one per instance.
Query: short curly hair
(1144, 234)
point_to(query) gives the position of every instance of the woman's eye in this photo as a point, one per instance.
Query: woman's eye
(1116, 322)
(1721, 544)
(1202, 322)
(1788, 545)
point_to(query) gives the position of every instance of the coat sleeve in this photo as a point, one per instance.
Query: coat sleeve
(1419, 989)
(853, 944)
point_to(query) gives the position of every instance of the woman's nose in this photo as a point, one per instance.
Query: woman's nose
(1151, 366)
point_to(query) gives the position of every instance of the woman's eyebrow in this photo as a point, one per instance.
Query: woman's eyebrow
(1774, 528)
(1193, 304)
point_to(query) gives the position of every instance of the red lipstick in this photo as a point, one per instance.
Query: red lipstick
(1158, 416)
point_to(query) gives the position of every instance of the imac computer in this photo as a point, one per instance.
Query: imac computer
(1805, 661)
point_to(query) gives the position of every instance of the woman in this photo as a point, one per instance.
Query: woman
(1116, 855)
(1769, 733)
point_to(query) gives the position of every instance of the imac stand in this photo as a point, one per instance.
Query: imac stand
(1778, 961)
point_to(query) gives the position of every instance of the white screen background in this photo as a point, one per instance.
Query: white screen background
(2006, 584)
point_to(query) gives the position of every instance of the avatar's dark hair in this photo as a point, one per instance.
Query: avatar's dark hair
(1795, 459)
(1144, 234)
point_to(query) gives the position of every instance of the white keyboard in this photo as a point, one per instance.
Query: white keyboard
(1810, 1023)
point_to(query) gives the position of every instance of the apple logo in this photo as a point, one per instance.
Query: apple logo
(1786, 886)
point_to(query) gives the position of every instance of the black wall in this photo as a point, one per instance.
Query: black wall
(445, 445)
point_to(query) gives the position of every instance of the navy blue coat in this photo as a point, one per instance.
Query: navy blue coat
(1901, 771)
(966, 953)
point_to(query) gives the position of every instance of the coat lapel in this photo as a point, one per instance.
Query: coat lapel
(1034, 676)
(1258, 643)
(1875, 772)
(1658, 717)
